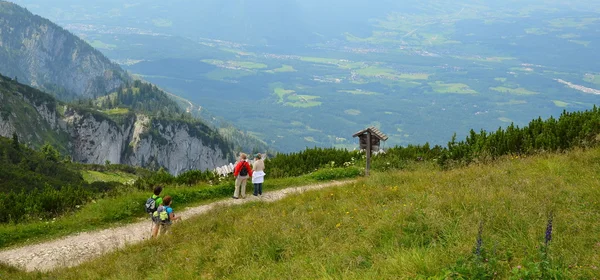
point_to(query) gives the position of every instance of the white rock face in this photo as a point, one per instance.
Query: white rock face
(95, 141)
(174, 148)
(6, 128)
(170, 146)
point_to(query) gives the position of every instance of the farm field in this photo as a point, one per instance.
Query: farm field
(438, 67)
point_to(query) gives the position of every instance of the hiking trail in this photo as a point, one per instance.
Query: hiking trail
(76, 249)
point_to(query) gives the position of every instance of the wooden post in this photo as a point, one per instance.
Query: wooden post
(368, 153)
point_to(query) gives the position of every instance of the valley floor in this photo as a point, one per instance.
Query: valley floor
(76, 249)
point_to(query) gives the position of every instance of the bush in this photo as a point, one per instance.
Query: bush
(337, 173)
(193, 177)
(41, 203)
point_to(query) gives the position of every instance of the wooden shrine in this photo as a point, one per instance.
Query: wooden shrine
(373, 136)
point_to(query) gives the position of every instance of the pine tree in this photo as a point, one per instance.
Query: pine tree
(50, 153)
(15, 141)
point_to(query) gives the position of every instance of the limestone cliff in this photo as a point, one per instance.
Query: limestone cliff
(91, 136)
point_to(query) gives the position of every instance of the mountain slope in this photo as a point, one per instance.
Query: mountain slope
(125, 136)
(526, 218)
(43, 55)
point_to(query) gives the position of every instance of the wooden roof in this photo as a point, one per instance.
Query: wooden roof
(374, 131)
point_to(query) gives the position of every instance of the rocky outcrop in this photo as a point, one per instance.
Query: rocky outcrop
(173, 146)
(141, 141)
(90, 136)
(45, 56)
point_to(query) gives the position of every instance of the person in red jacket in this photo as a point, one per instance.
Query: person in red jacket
(241, 172)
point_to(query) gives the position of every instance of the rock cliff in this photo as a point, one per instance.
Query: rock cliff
(91, 136)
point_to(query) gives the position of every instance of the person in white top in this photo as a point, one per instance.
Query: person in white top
(258, 176)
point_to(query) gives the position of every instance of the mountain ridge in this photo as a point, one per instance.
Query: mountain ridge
(44, 55)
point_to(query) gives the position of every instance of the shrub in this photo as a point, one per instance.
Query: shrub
(337, 173)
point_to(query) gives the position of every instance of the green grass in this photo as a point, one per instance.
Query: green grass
(238, 52)
(320, 60)
(282, 93)
(518, 91)
(512, 102)
(579, 42)
(418, 224)
(352, 112)
(496, 59)
(102, 46)
(290, 98)
(282, 69)
(568, 36)
(457, 88)
(127, 207)
(248, 64)
(235, 65)
(592, 78)
(522, 69)
(117, 111)
(310, 139)
(303, 101)
(359, 92)
(387, 73)
(91, 176)
(535, 31)
(559, 103)
(340, 63)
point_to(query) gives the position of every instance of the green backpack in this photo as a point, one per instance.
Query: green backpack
(162, 215)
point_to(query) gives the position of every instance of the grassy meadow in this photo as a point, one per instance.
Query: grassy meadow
(420, 223)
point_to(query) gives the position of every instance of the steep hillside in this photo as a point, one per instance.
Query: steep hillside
(43, 55)
(119, 136)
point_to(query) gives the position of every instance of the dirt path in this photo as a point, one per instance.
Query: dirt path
(76, 249)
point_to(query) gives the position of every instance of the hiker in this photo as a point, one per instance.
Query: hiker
(164, 217)
(152, 205)
(241, 172)
(258, 174)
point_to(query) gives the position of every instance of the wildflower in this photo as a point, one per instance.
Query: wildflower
(338, 225)
(549, 229)
(479, 240)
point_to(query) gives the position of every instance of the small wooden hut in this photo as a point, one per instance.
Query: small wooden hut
(373, 136)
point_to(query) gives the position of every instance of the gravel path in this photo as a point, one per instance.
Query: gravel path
(76, 249)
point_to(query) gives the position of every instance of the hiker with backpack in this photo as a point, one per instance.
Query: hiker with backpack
(152, 205)
(258, 174)
(241, 172)
(164, 216)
